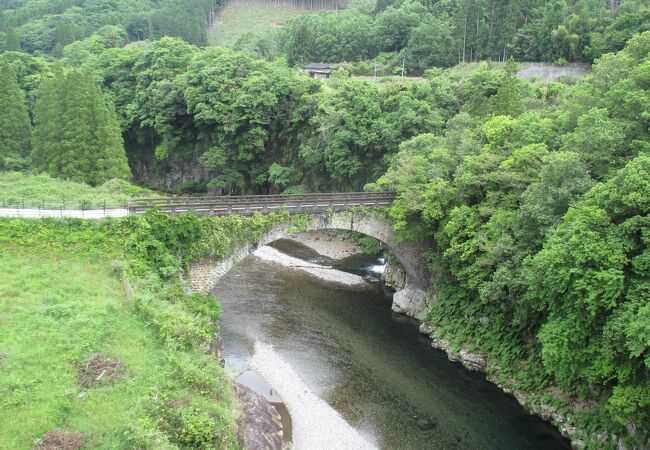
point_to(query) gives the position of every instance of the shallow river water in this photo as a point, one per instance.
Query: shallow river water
(368, 363)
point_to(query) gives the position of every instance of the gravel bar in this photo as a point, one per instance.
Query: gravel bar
(316, 425)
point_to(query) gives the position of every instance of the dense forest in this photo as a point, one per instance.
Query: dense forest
(47, 26)
(428, 33)
(417, 33)
(535, 195)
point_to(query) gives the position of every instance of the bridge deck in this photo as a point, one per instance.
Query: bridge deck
(249, 204)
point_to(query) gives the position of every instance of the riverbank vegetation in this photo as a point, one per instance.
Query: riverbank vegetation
(539, 221)
(102, 345)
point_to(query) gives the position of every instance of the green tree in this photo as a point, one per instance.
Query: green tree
(599, 139)
(345, 136)
(76, 135)
(15, 126)
(429, 45)
(11, 40)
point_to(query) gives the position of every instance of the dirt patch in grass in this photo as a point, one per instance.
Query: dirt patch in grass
(100, 370)
(61, 440)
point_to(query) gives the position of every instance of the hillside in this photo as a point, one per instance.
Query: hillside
(65, 322)
(240, 17)
(42, 190)
(101, 344)
(48, 27)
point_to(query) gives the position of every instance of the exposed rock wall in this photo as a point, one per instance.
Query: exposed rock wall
(168, 174)
(394, 275)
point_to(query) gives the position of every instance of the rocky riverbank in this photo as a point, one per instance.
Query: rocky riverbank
(531, 403)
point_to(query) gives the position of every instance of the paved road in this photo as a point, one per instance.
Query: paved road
(77, 213)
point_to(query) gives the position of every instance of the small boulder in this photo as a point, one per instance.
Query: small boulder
(424, 424)
(472, 361)
(427, 329)
(261, 427)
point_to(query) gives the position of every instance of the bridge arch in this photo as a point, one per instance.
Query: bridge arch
(410, 300)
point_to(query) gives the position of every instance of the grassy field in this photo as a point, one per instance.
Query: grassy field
(55, 315)
(241, 16)
(39, 190)
(83, 363)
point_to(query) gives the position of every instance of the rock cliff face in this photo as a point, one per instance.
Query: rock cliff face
(170, 173)
(394, 275)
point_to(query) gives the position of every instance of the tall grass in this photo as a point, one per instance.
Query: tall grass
(55, 313)
(62, 302)
(42, 190)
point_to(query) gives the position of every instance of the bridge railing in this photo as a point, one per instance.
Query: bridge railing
(247, 205)
(264, 198)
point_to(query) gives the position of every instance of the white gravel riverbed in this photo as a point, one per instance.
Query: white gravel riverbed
(329, 274)
(316, 425)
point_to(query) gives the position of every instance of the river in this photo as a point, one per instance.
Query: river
(368, 363)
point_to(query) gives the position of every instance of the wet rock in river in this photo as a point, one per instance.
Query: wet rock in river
(424, 424)
(427, 329)
(262, 425)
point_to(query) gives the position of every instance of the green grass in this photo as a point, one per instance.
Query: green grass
(55, 313)
(39, 190)
(240, 17)
(62, 303)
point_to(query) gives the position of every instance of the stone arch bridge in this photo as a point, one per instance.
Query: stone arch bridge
(350, 211)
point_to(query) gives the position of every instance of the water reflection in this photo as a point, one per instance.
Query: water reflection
(368, 363)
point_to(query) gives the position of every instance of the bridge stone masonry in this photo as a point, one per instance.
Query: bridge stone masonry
(329, 211)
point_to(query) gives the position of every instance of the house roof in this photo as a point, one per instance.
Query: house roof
(318, 66)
